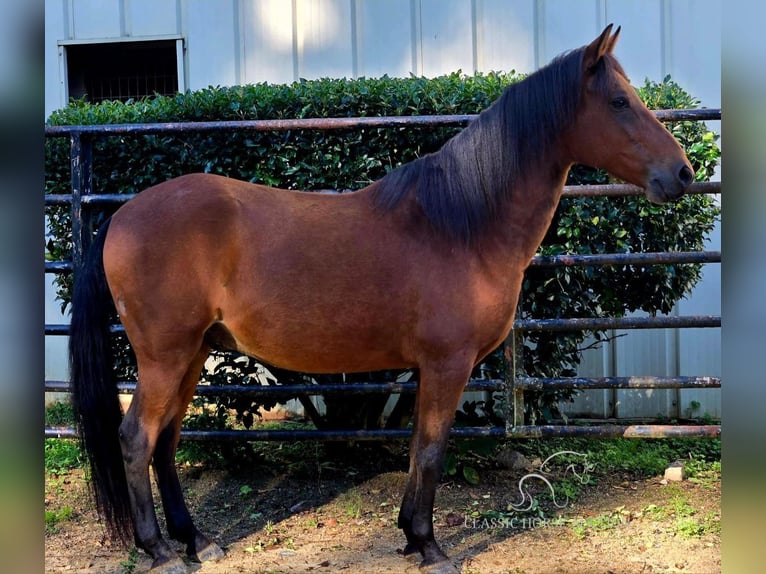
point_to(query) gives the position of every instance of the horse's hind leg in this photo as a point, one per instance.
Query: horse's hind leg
(180, 525)
(437, 399)
(154, 407)
(138, 437)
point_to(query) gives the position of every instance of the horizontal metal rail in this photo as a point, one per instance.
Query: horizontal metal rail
(535, 383)
(606, 323)
(605, 190)
(323, 124)
(58, 267)
(626, 189)
(526, 431)
(642, 259)
(615, 431)
(641, 382)
(578, 324)
(302, 434)
(307, 389)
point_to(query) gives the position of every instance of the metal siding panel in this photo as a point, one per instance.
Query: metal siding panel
(640, 47)
(384, 38)
(694, 61)
(700, 349)
(564, 25)
(55, 346)
(709, 401)
(645, 352)
(55, 71)
(269, 42)
(96, 19)
(592, 403)
(695, 51)
(211, 46)
(446, 37)
(506, 35)
(324, 39)
(152, 17)
(645, 404)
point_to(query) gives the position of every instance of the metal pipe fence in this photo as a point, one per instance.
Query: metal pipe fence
(83, 200)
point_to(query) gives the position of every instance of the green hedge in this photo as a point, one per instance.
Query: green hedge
(350, 159)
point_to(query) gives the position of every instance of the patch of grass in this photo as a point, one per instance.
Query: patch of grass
(680, 506)
(635, 456)
(606, 521)
(62, 454)
(688, 527)
(688, 523)
(704, 473)
(654, 512)
(59, 414)
(351, 503)
(683, 518)
(694, 527)
(55, 517)
(638, 457)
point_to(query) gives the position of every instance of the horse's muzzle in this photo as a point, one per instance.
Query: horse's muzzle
(664, 187)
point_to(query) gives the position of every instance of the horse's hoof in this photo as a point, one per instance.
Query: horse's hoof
(210, 553)
(441, 567)
(172, 566)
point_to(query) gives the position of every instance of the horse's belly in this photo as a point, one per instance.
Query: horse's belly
(317, 349)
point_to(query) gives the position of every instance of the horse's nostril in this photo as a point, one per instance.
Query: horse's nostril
(686, 176)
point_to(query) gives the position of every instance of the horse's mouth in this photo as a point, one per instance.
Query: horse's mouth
(658, 193)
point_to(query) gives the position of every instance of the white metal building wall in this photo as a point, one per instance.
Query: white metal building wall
(228, 42)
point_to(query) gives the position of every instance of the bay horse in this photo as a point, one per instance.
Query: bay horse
(420, 269)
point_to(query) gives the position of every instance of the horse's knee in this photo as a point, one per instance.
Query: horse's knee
(422, 528)
(429, 460)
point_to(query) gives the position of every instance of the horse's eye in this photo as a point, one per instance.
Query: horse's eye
(620, 103)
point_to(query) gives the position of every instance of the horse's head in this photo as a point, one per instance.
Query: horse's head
(615, 131)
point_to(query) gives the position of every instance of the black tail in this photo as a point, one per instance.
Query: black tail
(94, 391)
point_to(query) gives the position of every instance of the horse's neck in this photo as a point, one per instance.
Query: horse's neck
(527, 213)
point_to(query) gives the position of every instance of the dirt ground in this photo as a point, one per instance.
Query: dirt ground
(341, 519)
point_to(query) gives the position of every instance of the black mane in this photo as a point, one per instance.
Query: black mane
(460, 187)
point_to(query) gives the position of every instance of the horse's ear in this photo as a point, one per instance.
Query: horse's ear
(599, 47)
(614, 38)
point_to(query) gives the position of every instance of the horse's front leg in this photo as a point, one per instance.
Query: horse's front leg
(439, 393)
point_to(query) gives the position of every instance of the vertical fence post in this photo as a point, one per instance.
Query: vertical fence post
(517, 338)
(81, 156)
(514, 369)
